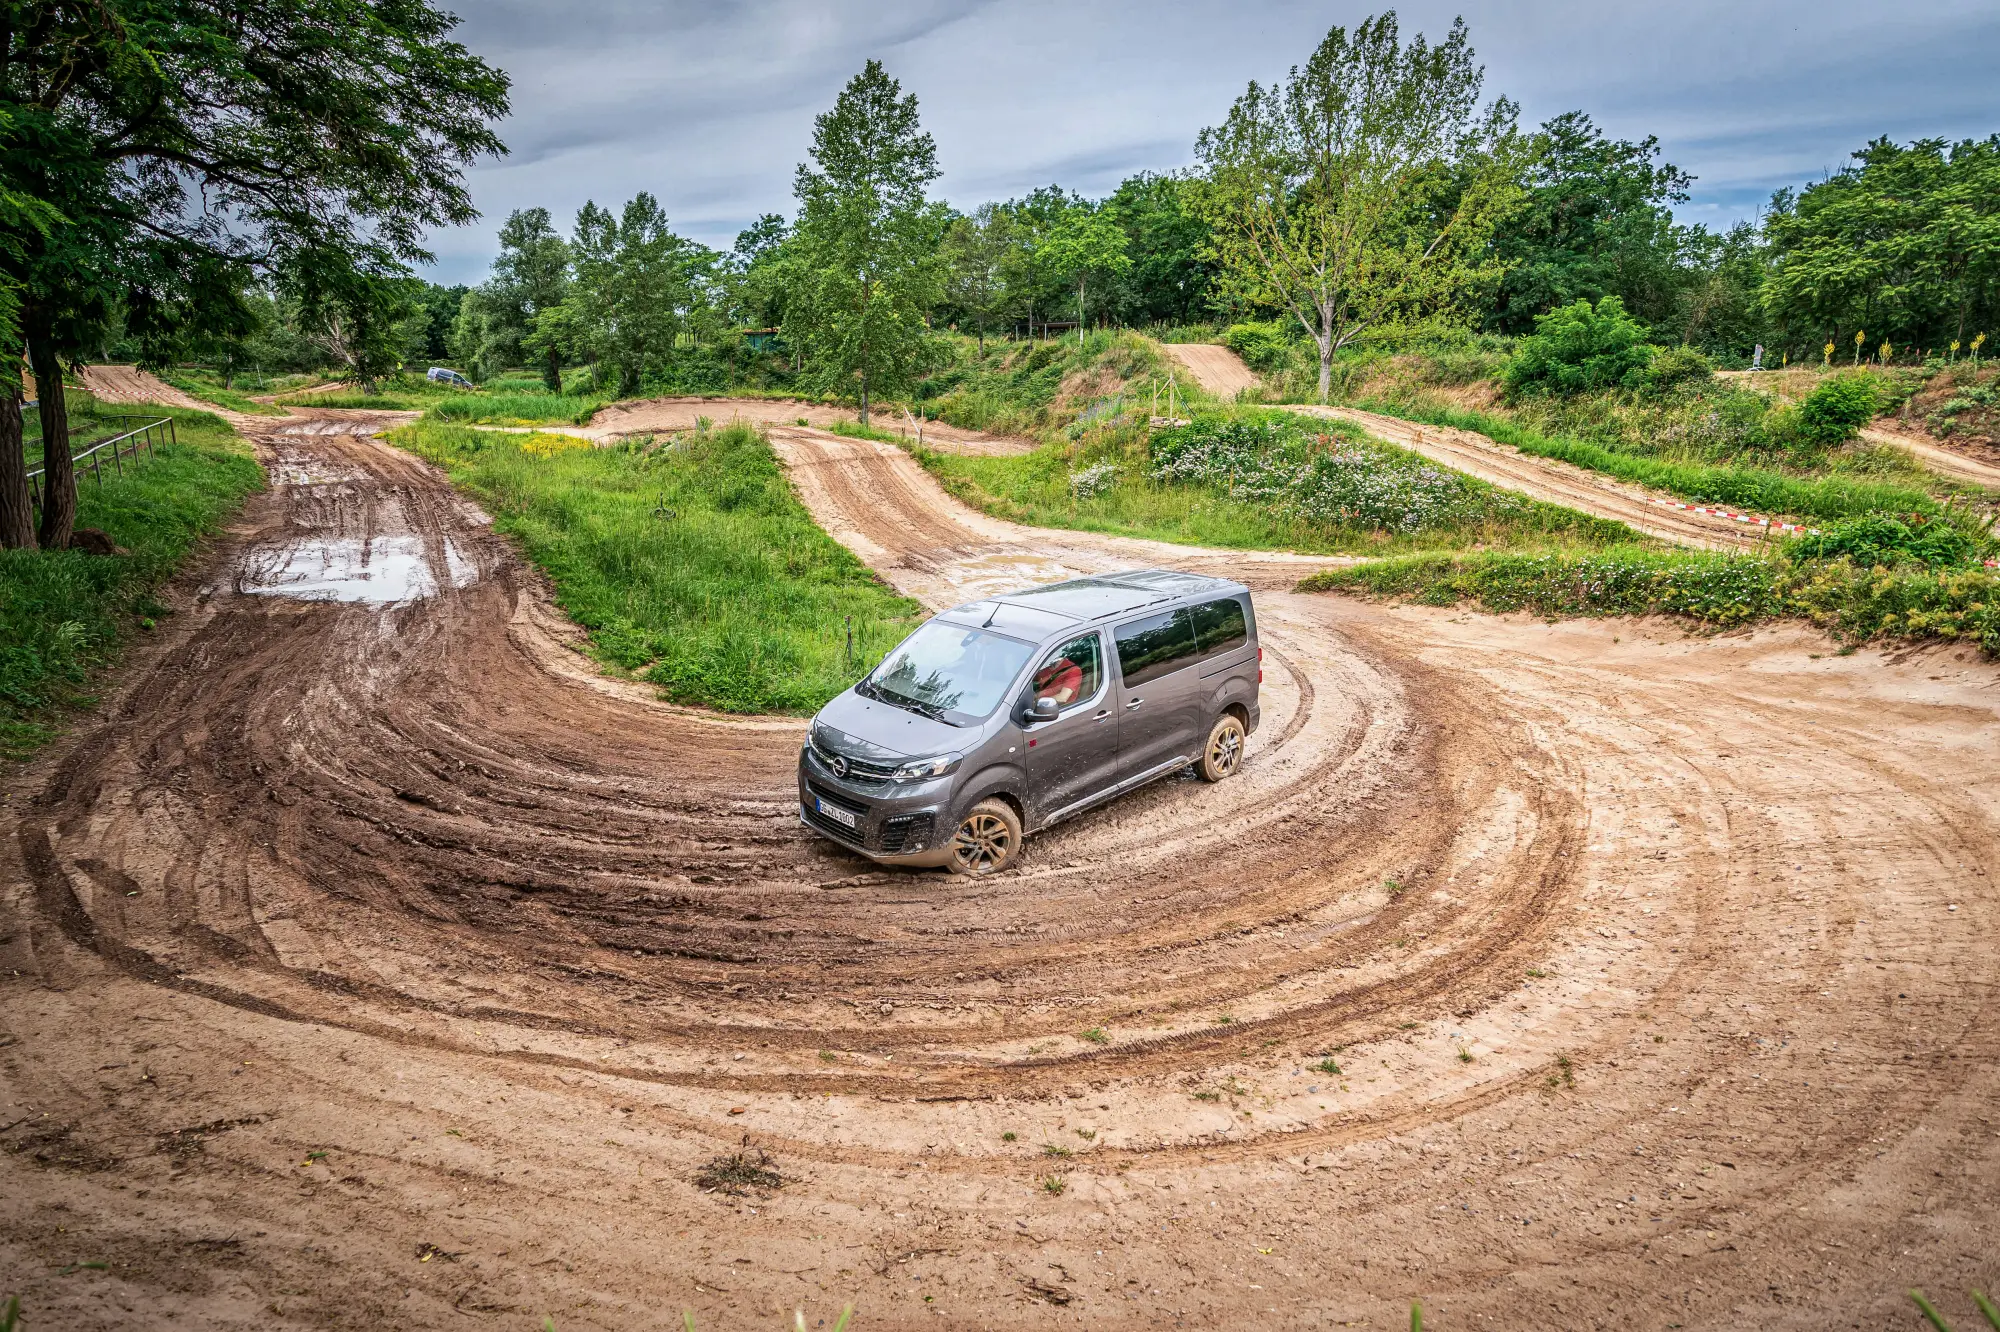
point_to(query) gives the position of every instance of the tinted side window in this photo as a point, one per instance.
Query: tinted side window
(1150, 648)
(1219, 626)
(1072, 672)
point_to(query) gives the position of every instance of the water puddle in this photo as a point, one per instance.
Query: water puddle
(374, 571)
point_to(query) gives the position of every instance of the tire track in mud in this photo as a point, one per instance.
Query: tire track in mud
(1454, 836)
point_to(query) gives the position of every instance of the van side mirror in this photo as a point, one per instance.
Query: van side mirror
(1041, 710)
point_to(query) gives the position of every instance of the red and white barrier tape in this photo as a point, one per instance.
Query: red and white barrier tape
(1757, 522)
(1734, 516)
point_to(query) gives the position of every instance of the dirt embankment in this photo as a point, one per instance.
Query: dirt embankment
(360, 967)
(661, 414)
(1216, 368)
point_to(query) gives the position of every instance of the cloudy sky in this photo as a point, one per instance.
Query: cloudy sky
(709, 104)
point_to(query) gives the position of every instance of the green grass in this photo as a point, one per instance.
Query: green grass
(692, 566)
(1035, 389)
(1758, 489)
(64, 615)
(1040, 489)
(517, 408)
(1850, 601)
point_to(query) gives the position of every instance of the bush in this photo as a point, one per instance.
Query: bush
(1672, 367)
(1358, 482)
(1576, 349)
(1263, 347)
(1838, 595)
(1832, 413)
(1879, 540)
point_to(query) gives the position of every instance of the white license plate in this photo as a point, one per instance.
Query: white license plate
(834, 812)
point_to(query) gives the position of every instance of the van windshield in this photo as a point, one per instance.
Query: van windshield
(949, 672)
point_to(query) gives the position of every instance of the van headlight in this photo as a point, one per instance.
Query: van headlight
(923, 769)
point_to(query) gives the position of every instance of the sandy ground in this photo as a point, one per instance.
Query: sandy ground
(369, 963)
(1940, 458)
(1216, 368)
(127, 383)
(684, 413)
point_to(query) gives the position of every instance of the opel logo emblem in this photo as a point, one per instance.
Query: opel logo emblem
(839, 766)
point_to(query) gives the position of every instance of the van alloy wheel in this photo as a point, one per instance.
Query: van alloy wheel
(1224, 752)
(986, 840)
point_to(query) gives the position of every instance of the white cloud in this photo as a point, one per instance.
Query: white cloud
(710, 105)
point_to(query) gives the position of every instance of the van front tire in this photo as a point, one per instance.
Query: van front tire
(987, 839)
(1223, 754)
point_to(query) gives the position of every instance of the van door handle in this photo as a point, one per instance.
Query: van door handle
(1102, 713)
(1133, 704)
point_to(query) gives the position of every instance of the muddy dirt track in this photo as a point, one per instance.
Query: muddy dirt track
(369, 963)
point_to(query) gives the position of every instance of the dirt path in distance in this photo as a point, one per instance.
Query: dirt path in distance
(1940, 458)
(663, 414)
(368, 961)
(1214, 367)
(130, 384)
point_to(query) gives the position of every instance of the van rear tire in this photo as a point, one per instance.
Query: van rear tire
(987, 839)
(1223, 754)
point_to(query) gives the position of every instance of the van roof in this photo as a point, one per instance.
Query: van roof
(1093, 598)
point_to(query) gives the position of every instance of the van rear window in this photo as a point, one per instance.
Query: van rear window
(1219, 626)
(1155, 646)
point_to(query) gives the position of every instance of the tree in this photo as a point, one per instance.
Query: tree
(1171, 275)
(1086, 243)
(869, 243)
(754, 273)
(637, 287)
(197, 142)
(1904, 245)
(975, 248)
(1596, 220)
(1362, 191)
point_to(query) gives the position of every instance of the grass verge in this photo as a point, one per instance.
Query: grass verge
(1854, 602)
(1769, 492)
(692, 565)
(65, 615)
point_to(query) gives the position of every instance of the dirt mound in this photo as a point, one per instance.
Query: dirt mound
(128, 383)
(1550, 974)
(1216, 368)
(661, 414)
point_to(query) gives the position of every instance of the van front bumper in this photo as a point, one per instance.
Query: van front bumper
(894, 823)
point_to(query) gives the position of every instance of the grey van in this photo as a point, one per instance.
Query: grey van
(1000, 717)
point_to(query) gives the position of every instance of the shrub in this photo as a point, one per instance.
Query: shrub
(1575, 349)
(1833, 412)
(1882, 540)
(1672, 367)
(1352, 482)
(1263, 347)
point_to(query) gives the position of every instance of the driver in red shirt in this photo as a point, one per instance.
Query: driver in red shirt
(1060, 680)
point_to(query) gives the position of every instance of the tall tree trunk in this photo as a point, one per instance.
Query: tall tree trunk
(1325, 340)
(552, 372)
(17, 515)
(58, 478)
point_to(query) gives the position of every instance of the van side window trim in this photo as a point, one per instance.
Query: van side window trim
(1103, 671)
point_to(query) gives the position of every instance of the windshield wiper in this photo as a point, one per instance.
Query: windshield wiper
(916, 705)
